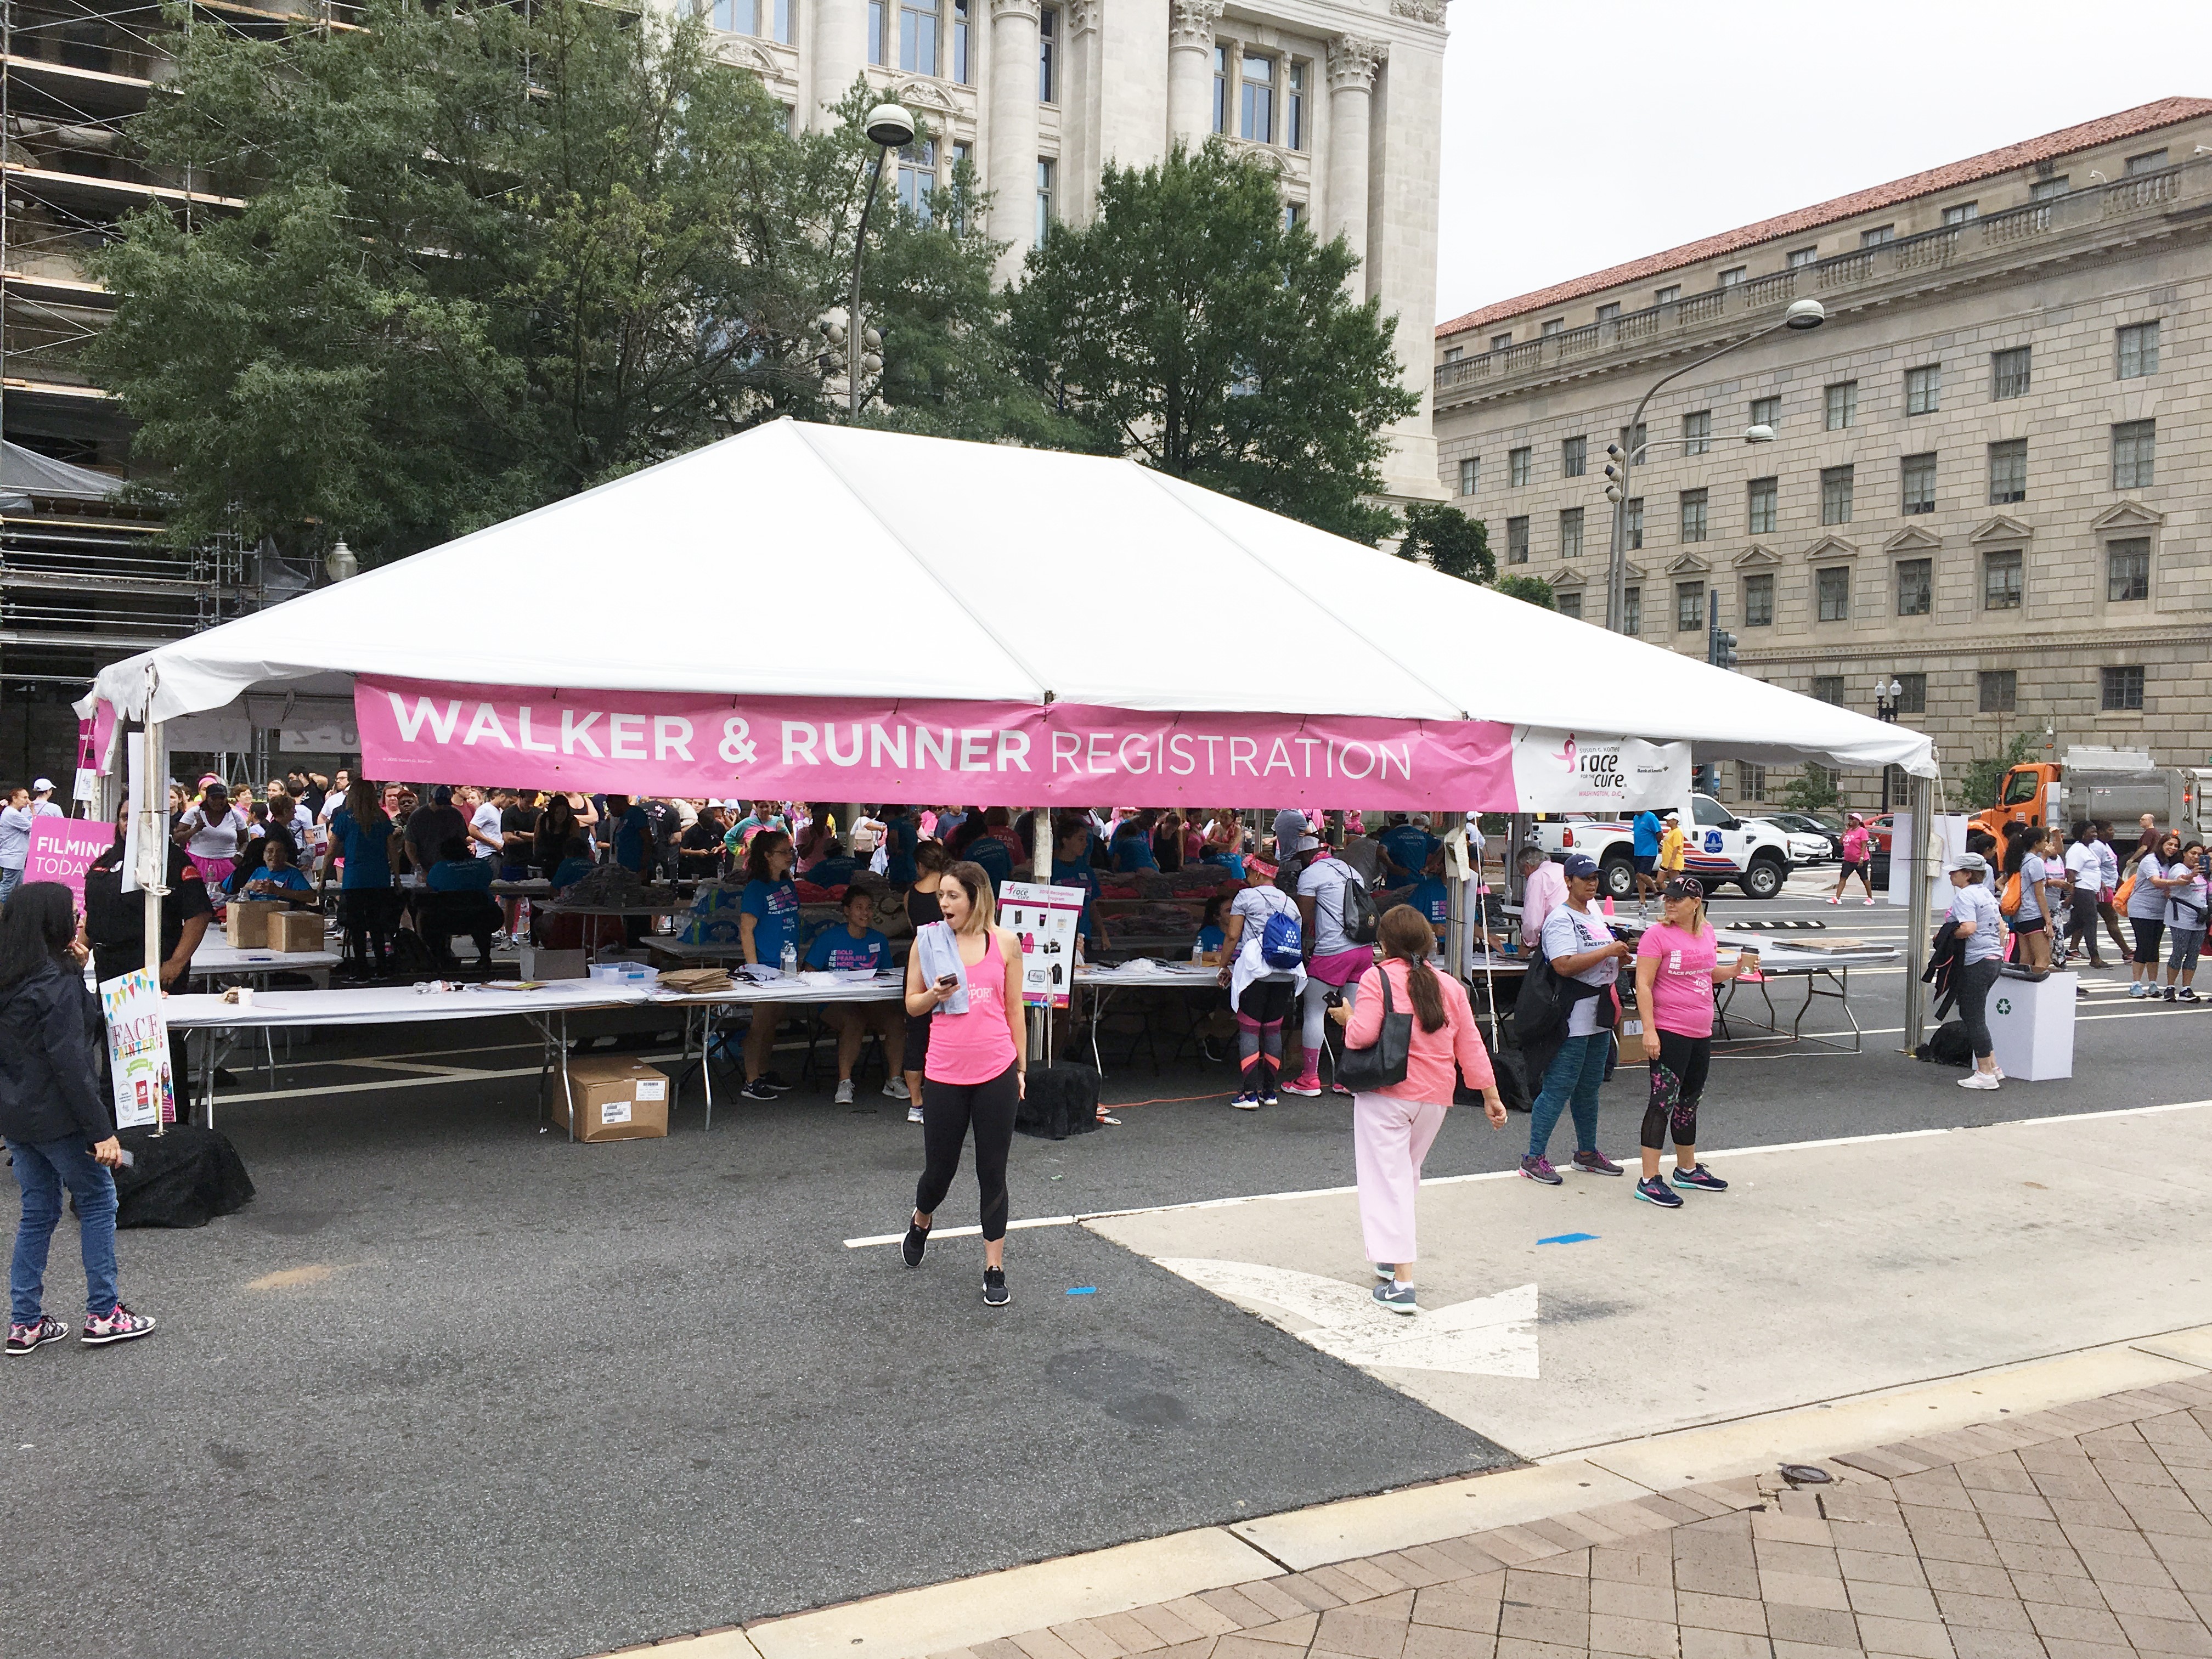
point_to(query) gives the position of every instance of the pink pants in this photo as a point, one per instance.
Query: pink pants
(1389, 1138)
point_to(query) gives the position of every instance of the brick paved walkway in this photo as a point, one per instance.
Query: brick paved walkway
(2079, 1533)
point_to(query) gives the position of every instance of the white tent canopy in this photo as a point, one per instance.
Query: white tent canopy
(799, 560)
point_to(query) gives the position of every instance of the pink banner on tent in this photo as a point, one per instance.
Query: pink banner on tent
(63, 849)
(990, 754)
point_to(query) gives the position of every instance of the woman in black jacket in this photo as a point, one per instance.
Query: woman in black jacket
(55, 1122)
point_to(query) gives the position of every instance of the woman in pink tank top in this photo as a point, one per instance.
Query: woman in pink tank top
(965, 974)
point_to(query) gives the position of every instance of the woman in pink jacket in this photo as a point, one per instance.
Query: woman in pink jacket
(1394, 1128)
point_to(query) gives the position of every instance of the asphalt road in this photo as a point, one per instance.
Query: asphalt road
(449, 1384)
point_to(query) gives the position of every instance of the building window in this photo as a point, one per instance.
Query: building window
(1758, 601)
(1570, 533)
(2001, 574)
(1689, 606)
(1750, 780)
(917, 178)
(1697, 433)
(1500, 341)
(1607, 311)
(1470, 473)
(1734, 275)
(1569, 603)
(1923, 389)
(1918, 474)
(2009, 472)
(1802, 257)
(1632, 440)
(2127, 569)
(1832, 586)
(1877, 236)
(1631, 611)
(1574, 456)
(1828, 688)
(1766, 411)
(1693, 515)
(2138, 350)
(1765, 506)
(1839, 405)
(1959, 213)
(962, 70)
(1294, 106)
(918, 36)
(1044, 200)
(1049, 56)
(1516, 466)
(1632, 522)
(2009, 373)
(1915, 587)
(2122, 687)
(1516, 541)
(745, 16)
(1256, 113)
(1667, 296)
(1452, 354)
(877, 42)
(1835, 495)
(2150, 162)
(2044, 189)
(2134, 447)
(1221, 90)
(1912, 693)
(1555, 326)
(1999, 687)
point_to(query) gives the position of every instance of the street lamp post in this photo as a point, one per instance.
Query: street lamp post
(1885, 709)
(1802, 315)
(889, 128)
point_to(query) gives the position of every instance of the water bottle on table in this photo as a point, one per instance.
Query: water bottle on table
(790, 960)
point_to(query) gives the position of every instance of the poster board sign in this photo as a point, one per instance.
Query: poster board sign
(1043, 919)
(138, 1050)
(63, 849)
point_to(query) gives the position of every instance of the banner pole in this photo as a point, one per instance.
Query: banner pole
(153, 855)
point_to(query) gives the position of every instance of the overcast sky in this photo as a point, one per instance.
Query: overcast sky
(1569, 146)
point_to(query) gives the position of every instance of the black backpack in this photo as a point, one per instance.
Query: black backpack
(1946, 1045)
(1356, 914)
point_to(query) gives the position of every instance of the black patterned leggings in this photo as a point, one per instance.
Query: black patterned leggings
(1678, 1082)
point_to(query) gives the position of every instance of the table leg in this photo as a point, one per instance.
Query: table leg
(707, 1061)
(568, 1089)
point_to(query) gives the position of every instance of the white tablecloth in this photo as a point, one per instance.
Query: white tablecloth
(393, 1005)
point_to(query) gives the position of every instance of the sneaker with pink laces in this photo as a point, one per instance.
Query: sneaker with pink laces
(23, 1339)
(1308, 1084)
(120, 1326)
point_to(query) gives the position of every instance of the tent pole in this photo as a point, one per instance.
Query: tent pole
(1921, 794)
(153, 856)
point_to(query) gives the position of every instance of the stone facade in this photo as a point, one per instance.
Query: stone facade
(1042, 95)
(1961, 514)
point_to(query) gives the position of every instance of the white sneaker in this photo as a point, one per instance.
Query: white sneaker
(1869, 901)
(1835, 901)
(913, 1115)
(897, 1089)
(1978, 1080)
(844, 1093)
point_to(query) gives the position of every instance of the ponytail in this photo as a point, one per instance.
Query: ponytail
(1405, 934)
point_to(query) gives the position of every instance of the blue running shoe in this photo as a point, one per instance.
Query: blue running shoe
(1699, 1177)
(1655, 1191)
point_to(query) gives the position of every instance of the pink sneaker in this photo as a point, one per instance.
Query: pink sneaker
(23, 1339)
(1307, 1084)
(120, 1326)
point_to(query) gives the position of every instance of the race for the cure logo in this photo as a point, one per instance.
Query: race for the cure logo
(1598, 769)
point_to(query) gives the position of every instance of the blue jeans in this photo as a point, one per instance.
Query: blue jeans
(1571, 1079)
(41, 1170)
(10, 879)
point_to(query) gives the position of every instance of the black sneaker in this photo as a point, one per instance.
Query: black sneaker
(915, 1242)
(2170, 993)
(759, 1089)
(23, 1339)
(994, 1287)
(774, 1080)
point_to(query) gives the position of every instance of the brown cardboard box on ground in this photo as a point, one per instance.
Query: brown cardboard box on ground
(615, 1099)
(295, 930)
(540, 963)
(246, 923)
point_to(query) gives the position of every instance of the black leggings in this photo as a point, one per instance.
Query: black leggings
(1973, 980)
(1260, 1018)
(2147, 937)
(1678, 1083)
(947, 1110)
(370, 915)
(2082, 921)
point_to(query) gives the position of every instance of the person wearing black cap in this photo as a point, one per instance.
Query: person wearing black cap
(1677, 965)
(1586, 959)
(1980, 930)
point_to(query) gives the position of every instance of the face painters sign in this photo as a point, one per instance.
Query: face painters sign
(138, 1050)
(1043, 919)
(63, 849)
(1594, 772)
(991, 753)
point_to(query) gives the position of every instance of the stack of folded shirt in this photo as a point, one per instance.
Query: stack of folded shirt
(697, 981)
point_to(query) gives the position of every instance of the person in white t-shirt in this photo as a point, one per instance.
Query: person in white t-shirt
(1259, 993)
(485, 837)
(210, 831)
(2084, 878)
(336, 797)
(1335, 963)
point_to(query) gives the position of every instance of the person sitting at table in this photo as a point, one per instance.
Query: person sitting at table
(1210, 930)
(278, 878)
(768, 920)
(835, 867)
(857, 947)
(575, 864)
(458, 901)
(1132, 844)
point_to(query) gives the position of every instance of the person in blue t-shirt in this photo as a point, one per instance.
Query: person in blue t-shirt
(768, 920)
(459, 871)
(901, 835)
(1433, 899)
(996, 859)
(1644, 847)
(276, 877)
(1405, 848)
(855, 947)
(361, 833)
(1211, 934)
(575, 864)
(836, 868)
(1132, 844)
(633, 835)
(1070, 867)
(459, 901)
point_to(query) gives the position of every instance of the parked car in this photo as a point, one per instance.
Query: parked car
(1722, 849)
(1807, 824)
(1805, 846)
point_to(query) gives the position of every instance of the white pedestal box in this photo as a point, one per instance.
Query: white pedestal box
(2032, 1026)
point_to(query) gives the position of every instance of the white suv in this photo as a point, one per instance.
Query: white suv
(1754, 854)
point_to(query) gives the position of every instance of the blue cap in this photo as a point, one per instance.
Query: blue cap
(1580, 866)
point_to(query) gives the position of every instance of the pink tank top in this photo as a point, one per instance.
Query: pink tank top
(976, 1046)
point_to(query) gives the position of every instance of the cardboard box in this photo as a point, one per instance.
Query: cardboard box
(295, 930)
(246, 923)
(615, 1099)
(538, 962)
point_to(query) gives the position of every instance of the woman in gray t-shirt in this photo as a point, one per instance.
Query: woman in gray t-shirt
(2040, 880)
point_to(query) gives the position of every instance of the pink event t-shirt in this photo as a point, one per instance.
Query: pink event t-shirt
(1682, 993)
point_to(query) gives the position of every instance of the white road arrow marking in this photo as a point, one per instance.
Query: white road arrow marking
(1487, 1336)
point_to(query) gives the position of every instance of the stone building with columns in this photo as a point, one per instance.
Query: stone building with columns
(1345, 97)
(1990, 468)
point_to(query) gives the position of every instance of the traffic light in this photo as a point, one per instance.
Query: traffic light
(1722, 653)
(1616, 473)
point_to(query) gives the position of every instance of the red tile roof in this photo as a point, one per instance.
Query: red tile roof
(2067, 141)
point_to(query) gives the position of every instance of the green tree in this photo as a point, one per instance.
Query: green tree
(1530, 590)
(487, 257)
(1985, 775)
(1187, 326)
(1813, 788)
(1445, 538)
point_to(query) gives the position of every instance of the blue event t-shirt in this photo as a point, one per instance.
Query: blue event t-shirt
(904, 833)
(997, 863)
(835, 871)
(368, 859)
(1212, 938)
(1410, 845)
(1134, 851)
(774, 907)
(629, 838)
(1232, 862)
(1079, 874)
(835, 948)
(291, 878)
(1646, 843)
(570, 872)
(1433, 900)
(468, 875)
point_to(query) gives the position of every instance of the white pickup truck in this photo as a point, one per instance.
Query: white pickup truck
(1723, 847)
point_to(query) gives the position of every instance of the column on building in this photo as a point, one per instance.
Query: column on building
(1353, 62)
(840, 54)
(1191, 24)
(1128, 95)
(1404, 157)
(1010, 142)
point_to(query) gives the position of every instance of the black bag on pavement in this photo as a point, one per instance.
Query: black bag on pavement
(1059, 1101)
(1946, 1045)
(1383, 1062)
(185, 1178)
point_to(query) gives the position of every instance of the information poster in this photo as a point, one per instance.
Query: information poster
(138, 1050)
(63, 849)
(1043, 919)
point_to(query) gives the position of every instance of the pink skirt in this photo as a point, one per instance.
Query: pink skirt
(1341, 967)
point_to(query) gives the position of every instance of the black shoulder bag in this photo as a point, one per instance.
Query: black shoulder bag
(1383, 1062)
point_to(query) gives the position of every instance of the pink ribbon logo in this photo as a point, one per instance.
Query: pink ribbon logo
(1566, 755)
